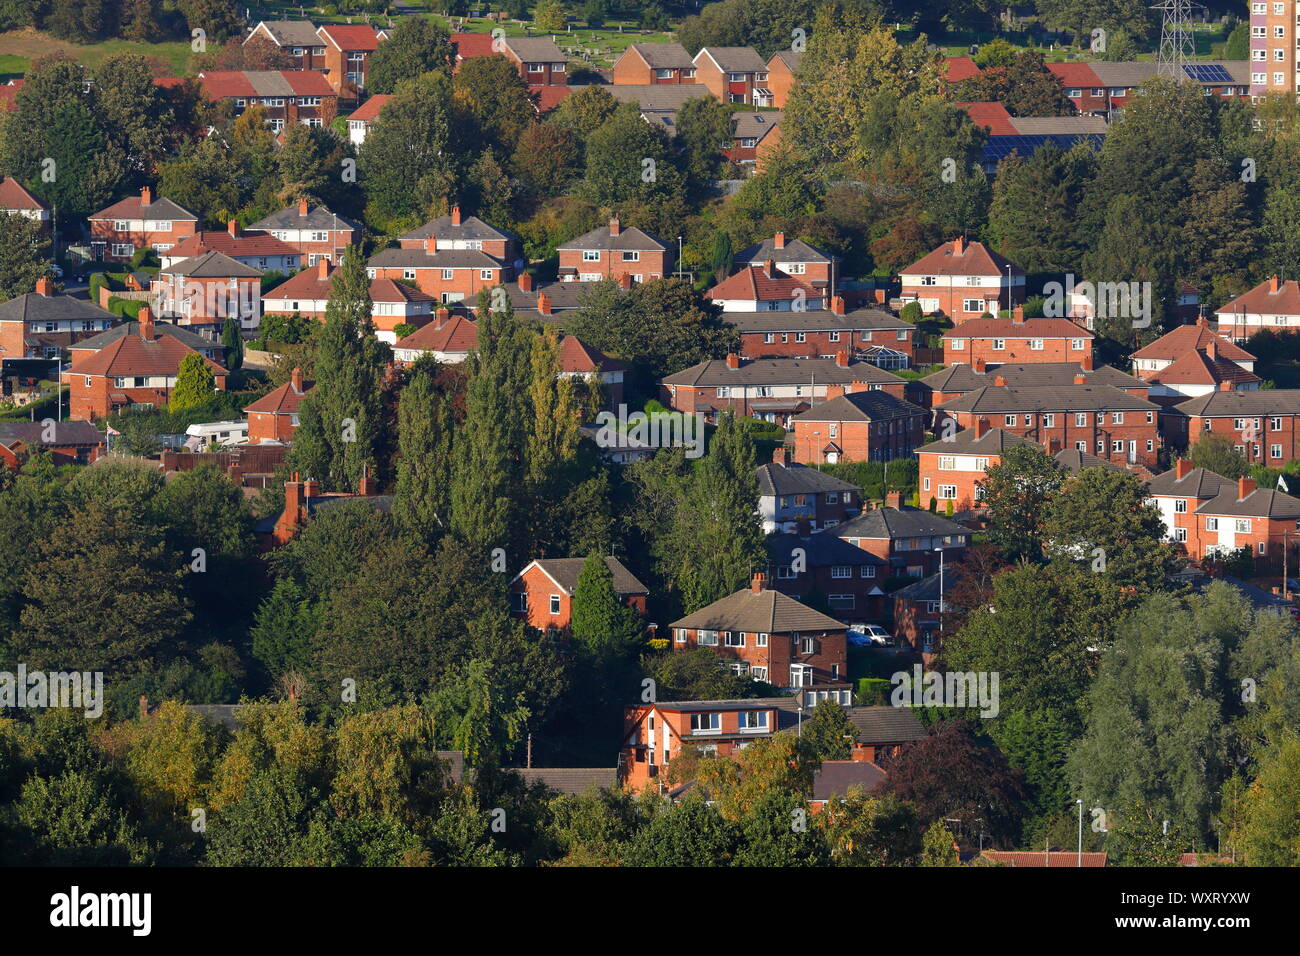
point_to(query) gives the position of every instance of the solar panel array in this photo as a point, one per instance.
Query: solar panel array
(1207, 73)
(999, 148)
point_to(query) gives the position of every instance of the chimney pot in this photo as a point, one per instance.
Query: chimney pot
(981, 426)
(1244, 487)
(838, 306)
(758, 582)
(1018, 315)
(1272, 284)
(780, 455)
(544, 304)
(44, 286)
(310, 488)
(733, 360)
(1182, 467)
(323, 269)
(368, 487)
(455, 215)
(440, 316)
(1080, 378)
(769, 268)
(959, 246)
(295, 380)
(431, 246)
(779, 240)
(1087, 363)
(145, 318)
(842, 359)
(146, 196)
(1000, 382)
(302, 206)
(1212, 350)
(233, 227)
(979, 366)
(893, 499)
(614, 226)
(1225, 386)
(525, 282)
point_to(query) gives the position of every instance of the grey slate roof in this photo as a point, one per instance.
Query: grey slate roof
(182, 335)
(905, 522)
(572, 780)
(1197, 483)
(735, 59)
(815, 320)
(775, 478)
(535, 49)
(834, 778)
(211, 265)
(1073, 461)
(1253, 403)
(442, 259)
(821, 550)
(767, 612)
(318, 217)
(1059, 125)
(757, 125)
(471, 227)
(1260, 503)
(926, 589)
(659, 97)
(885, 725)
(629, 238)
(65, 433)
(873, 406)
(31, 307)
(992, 442)
(780, 372)
(1061, 398)
(565, 571)
(963, 378)
(796, 250)
(789, 57)
(664, 56)
(292, 32)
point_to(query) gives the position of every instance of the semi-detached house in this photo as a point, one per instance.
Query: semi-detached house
(139, 222)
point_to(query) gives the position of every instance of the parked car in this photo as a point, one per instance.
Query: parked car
(870, 635)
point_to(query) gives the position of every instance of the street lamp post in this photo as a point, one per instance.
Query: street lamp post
(1080, 858)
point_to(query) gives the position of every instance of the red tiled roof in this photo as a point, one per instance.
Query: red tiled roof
(245, 244)
(134, 355)
(308, 82)
(974, 259)
(954, 69)
(992, 116)
(1285, 301)
(352, 37)
(369, 110)
(1189, 338)
(1009, 328)
(308, 284)
(1044, 858)
(1197, 368)
(578, 356)
(282, 401)
(169, 82)
(14, 196)
(458, 334)
(390, 290)
(549, 97)
(469, 45)
(223, 84)
(754, 284)
(1078, 75)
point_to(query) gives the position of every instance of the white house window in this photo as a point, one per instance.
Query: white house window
(1036, 345)
(706, 723)
(753, 720)
(733, 639)
(1243, 526)
(1180, 506)
(590, 255)
(1077, 345)
(555, 604)
(1211, 524)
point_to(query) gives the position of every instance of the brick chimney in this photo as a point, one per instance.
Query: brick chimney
(146, 196)
(842, 359)
(1212, 350)
(837, 305)
(1087, 364)
(145, 318)
(291, 518)
(894, 499)
(1182, 467)
(295, 381)
(1203, 321)
(999, 381)
(525, 282)
(758, 582)
(431, 245)
(614, 227)
(979, 366)
(1080, 378)
(778, 241)
(302, 206)
(780, 455)
(44, 286)
(733, 360)
(769, 268)
(440, 317)
(544, 303)
(1272, 285)
(1225, 386)
(1018, 315)
(802, 526)
(233, 228)
(310, 488)
(981, 427)
(455, 215)
(959, 246)
(369, 487)
(323, 269)
(1244, 487)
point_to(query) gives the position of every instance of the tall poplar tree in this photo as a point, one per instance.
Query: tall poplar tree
(425, 441)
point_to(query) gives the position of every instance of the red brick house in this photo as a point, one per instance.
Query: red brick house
(1017, 339)
(771, 389)
(956, 380)
(137, 369)
(860, 426)
(1212, 516)
(542, 593)
(456, 232)
(881, 732)
(953, 469)
(1083, 87)
(907, 538)
(805, 565)
(260, 250)
(287, 96)
(768, 635)
(790, 493)
(793, 257)
(314, 231)
(70, 443)
(448, 339)
(392, 303)
(303, 500)
(918, 615)
(449, 275)
(1201, 372)
(347, 56)
(781, 70)
(207, 288)
(612, 253)
(752, 135)
(765, 288)
(1262, 423)
(363, 117)
(872, 335)
(1181, 342)
(1099, 419)
(43, 325)
(1273, 304)
(274, 416)
(136, 223)
(297, 39)
(467, 46)
(538, 60)
(734, 74)
(646, 63)
(963, 280)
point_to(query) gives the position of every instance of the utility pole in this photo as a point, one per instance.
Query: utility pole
(1080, 803)
(529, 759)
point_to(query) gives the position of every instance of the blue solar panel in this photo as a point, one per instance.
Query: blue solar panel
(999, 148)
(1207, 73)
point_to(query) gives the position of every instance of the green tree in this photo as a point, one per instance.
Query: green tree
(938, 848)
(408, 164)
(282, 633)
(233, 342)
(218, 19)
(1271, 829)
(417, 46)
(1016, 492)
(492, 93)
(425, 428)
(195, 383)
(600, 622)
(828, 734)
(703, 131)
(1031, 217)
(24, 255)
(1218, 454)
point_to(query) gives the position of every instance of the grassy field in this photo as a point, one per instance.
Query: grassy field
(18, 48)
